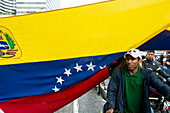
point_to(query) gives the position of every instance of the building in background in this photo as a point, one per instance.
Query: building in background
(74, 3)
(30, 6)
(19, 7)
(33, 6)
(52, 4)
(7, 7)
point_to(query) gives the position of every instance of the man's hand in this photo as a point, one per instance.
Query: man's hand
(110, 110)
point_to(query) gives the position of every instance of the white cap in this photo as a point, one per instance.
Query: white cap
(134, 53)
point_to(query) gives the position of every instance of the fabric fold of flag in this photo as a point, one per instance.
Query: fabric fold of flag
(29, 79)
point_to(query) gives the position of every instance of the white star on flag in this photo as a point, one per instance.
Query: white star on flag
(78, 68)
(67, 72)
(55, 89)
(91, 66)
(102, 67)
(59, 80)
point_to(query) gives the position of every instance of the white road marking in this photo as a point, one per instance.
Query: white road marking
(1, 111)
(75, 106)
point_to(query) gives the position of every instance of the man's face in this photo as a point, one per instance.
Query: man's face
(166, 56)
(132, 63)
(150, 56)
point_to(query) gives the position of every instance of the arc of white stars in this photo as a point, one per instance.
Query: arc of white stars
(60, 80)
(102, 67)
(55, 89)
(67, 72)
(91, 66)
(78, 68)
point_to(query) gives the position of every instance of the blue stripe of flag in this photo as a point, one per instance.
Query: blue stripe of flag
(28, 79)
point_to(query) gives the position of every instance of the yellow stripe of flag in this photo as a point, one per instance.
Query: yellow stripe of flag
(97, 29)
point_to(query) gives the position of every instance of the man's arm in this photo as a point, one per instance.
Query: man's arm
(112, 89)
(167, 62)
(159, 85)
(164, 60)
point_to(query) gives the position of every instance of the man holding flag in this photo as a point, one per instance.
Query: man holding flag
(128, 89)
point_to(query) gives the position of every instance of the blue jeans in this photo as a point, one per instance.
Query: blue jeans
(164, 68)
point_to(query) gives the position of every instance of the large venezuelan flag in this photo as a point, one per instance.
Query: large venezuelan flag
(49, 59)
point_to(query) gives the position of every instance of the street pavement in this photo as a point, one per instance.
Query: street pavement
(90, 102)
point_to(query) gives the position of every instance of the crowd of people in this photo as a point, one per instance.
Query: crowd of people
(157, 65)
(164, 61)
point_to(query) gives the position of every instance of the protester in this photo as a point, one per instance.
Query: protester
(128, 89)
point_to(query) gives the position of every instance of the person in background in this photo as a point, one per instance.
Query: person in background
(128, 89)
(161, 60)
(149, 63)
(156, 58)
(166, 62)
